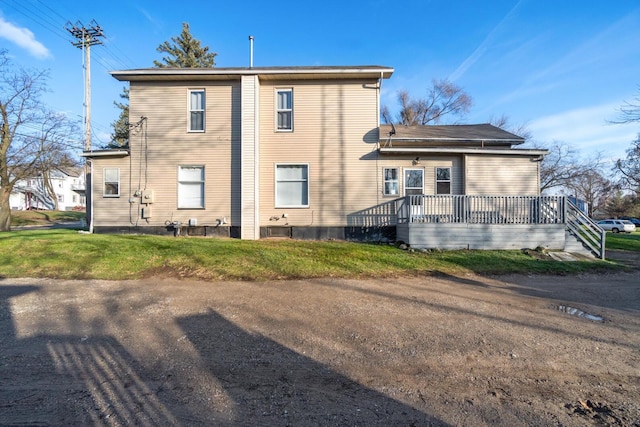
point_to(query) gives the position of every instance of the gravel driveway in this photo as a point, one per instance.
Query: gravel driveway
(471, 350)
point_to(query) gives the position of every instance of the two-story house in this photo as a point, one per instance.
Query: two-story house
(298, 152)
(68, 186)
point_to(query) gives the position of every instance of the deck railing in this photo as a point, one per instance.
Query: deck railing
(482, 209)
(586, 230)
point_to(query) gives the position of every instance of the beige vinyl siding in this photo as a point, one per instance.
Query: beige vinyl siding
(502, 175)
(335, 133)
(111, 211)
(168, 144)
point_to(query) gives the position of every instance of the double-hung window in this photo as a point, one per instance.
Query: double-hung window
(111, 182)
(284, 110)
(292, 186)
(190, 187)
(391, 187)
(443, 180)
(196, 110)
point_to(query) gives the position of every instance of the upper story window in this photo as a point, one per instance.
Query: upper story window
(443, 180)
(284, 109)
(111, 182)
(196, 110)
(391, 187)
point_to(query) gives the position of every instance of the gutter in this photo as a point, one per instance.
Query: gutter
(104, 153)
(436, 150)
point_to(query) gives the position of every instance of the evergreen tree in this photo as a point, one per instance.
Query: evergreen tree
(185, 52)
(120, 135)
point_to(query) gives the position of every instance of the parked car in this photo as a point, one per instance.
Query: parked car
(635, 221)
(617, 225)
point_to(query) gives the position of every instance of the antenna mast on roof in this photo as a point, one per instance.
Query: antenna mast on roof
(251, 52)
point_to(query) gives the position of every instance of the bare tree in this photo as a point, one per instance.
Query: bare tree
(54, 148)
(503, 122)
(443, 99)
(560, 166)
(592, 185)
(629, 167)
(630, 111)
(28, 132)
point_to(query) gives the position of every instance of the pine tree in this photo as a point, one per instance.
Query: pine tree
(185, 52)
(120, 135)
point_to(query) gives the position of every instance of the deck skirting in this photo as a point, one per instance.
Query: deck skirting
(481, 236)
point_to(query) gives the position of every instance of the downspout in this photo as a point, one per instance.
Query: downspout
(91, 203)
(378, 96)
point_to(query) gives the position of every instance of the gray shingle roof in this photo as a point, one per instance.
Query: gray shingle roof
(447, 134)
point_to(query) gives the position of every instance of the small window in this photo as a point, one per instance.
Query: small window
(391, 186)
(284, 109)
(196, 110)
(111, 182)
(292, 186)
(190, 187)
(60, 198)
(443, 180)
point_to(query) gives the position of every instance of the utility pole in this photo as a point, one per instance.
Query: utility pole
(86, 37)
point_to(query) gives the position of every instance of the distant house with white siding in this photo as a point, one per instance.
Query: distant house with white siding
(299, 152)
(68, 185)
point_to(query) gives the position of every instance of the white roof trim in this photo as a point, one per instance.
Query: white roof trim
(104, 153)
(373, 71)
(469, 150)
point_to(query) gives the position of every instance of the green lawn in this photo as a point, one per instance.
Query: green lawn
(22, 218)
(69, 254)
(623, 241)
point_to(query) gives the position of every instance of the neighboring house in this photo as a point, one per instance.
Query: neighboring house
(288, 151)
(68, 186)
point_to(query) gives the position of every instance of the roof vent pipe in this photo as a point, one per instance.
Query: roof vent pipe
(251, 52)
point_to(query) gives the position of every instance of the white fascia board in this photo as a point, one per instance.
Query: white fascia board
(435, 150)
(105, 153)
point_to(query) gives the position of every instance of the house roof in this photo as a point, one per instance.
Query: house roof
(452, 139)
(105, 153)
(486, 134)
(266, 73)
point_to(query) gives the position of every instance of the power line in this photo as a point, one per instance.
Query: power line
(86, 37)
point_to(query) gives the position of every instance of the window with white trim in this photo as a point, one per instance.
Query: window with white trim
(111, 182)
(196, 110)
(292, 186)
(284, 109)
(190, 187)
(413, 182)
(391, 185)
(443, 180)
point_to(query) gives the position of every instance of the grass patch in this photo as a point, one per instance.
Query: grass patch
(70, 255)
(622, 241)
(22, 218)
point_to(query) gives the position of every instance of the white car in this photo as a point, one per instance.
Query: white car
(617, 225)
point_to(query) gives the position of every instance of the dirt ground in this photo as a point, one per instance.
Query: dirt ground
(409, 351)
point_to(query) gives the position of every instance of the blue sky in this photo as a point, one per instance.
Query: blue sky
(562, 67)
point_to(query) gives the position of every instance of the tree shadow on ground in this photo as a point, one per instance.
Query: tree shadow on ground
(73, 379)
(273, 385)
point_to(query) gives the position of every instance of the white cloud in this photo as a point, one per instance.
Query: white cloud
(24, 38)
(587, 129)
(482, 48)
